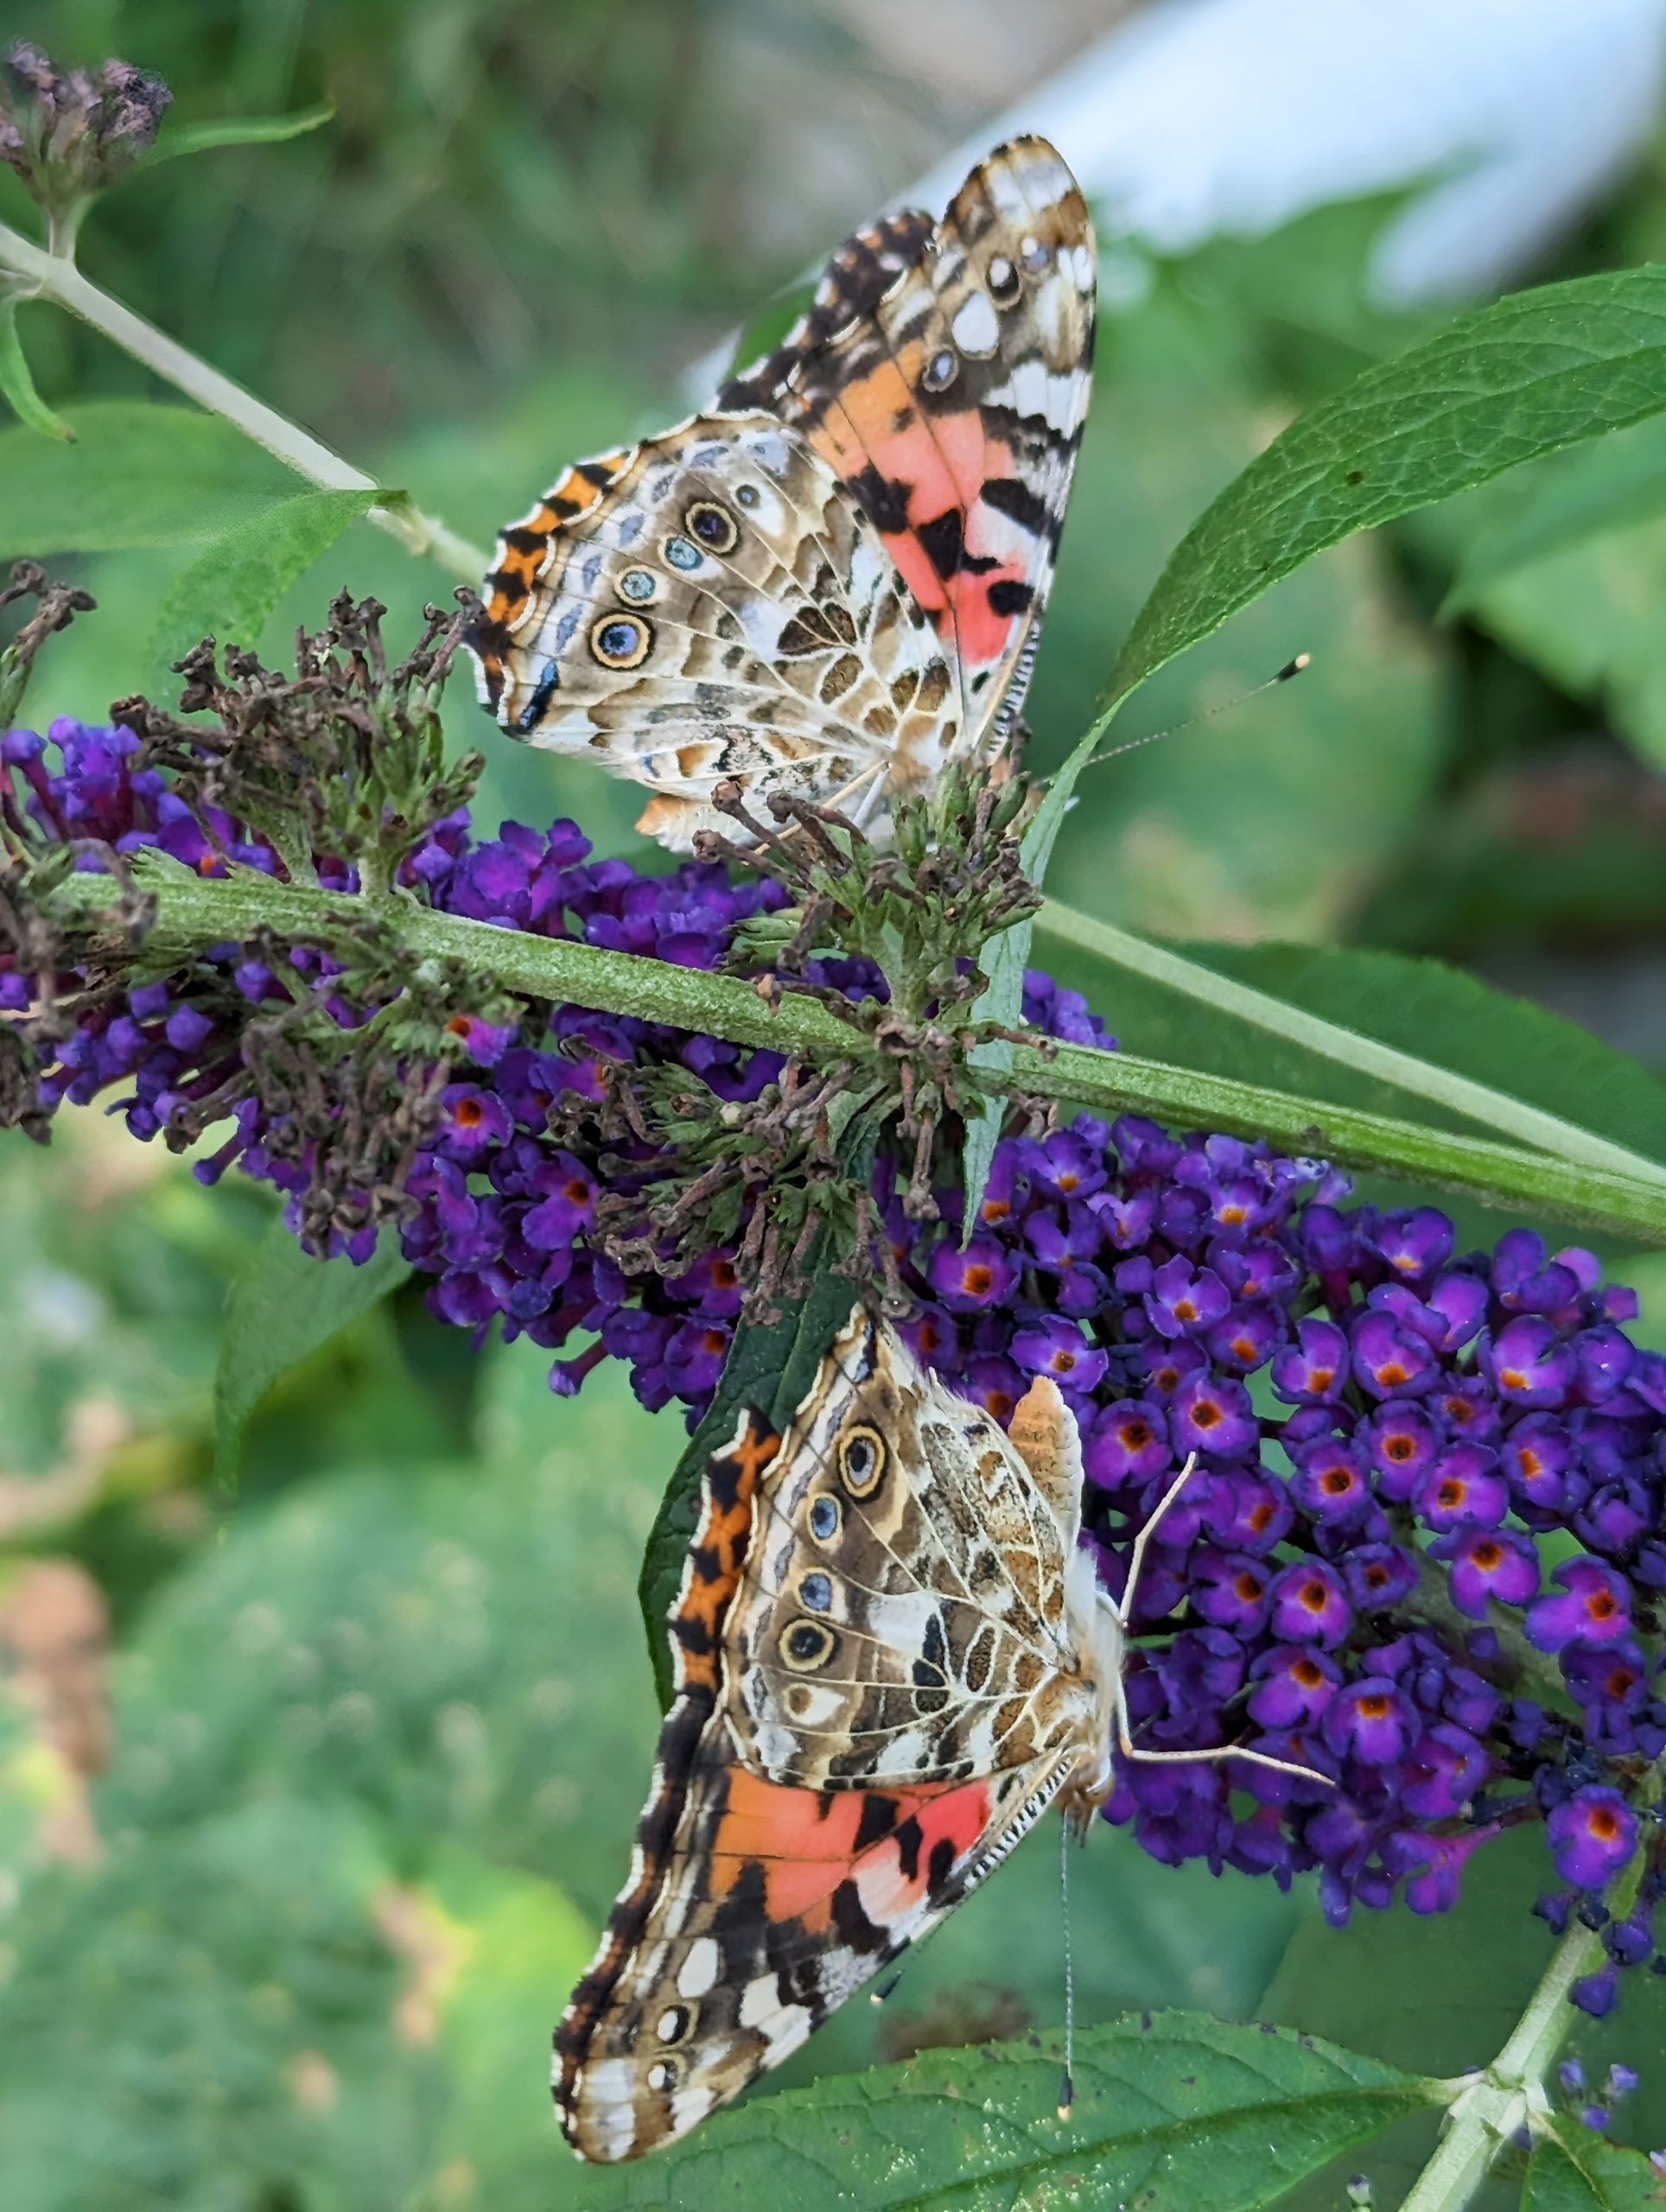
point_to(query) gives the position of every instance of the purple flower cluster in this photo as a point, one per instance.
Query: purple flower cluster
(1391, 1437)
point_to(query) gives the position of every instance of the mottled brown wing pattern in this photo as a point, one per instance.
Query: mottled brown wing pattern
(720, 609)
(757, 1903)
(943, 370)
(905, 1615)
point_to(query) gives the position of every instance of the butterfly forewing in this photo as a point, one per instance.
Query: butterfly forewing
(943, 371)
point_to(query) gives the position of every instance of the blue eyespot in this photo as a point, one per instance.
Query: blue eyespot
(622, 641)
(824, 1517)
(637, 584)
(816, 1593)
(713, 525)
(681, 553)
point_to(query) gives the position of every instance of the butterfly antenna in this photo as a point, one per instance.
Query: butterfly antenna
(1290, 668)
(1067, 2086)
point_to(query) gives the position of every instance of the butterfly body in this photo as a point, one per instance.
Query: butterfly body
(891, 1657)
(832, 584)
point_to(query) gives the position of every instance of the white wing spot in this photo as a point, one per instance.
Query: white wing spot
(699, 1971)
(977, 327)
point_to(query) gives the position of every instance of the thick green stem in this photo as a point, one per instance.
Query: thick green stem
(1511, 2093)
(54, 276)
(193, 913)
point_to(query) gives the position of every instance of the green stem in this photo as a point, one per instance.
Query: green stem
(56, 277)
(1511, 2093)
(193, 913)
(1479, 1102)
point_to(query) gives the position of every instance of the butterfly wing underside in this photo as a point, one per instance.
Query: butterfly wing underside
(718, 608)
(764, 1891)
(832, 584)
(943, 370)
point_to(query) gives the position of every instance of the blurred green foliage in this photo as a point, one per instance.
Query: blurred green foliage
(312, 1797)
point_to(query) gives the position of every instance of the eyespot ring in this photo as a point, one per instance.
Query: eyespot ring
(681, 553)
(639, 586)
(862, 1459)
(940, 372)
(622, 641)
(713, 525)
(826, 1517)
(1003, 280)
(746, 495)
(804, 1645)
(815, 1592)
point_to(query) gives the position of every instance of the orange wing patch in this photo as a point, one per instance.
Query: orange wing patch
(523, 553)
(890, 1851)
(711, 1573)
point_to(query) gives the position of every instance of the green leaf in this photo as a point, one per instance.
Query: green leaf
(1418, 1033)
(1574, 2171)
(283, 1307)
(229, 591)
(1173, 2113)
(137, 474)
(237, 131)
(1539, 371)
(17, 385)
(1611, 485)
(770, 1365)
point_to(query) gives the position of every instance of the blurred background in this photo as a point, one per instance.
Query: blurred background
(312, 1797)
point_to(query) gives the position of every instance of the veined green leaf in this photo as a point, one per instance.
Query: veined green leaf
(770, 1365)
(1607, 486)
(230, 588)
(1173, 2113)
(17, 384)
(137, 473)
(1421, 1028)
(1575, 2171)
(1539, 371)
(284, 1307)
(237, 131)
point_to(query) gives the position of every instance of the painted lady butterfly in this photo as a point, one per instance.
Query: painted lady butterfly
(892, 1656)
(833, 583)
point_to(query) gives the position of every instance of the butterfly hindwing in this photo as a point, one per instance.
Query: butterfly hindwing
(903, 1615)
(719, 609)
(761, 1896)
(943, 370)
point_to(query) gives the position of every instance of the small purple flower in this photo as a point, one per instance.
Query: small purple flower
(1054, 1346)
(1371, 1721)
(1598, 1993)
(1463, 1486)
(1292, 1685)
(1128, 1445)
(1535, 1456)
(1332, 1482)
(1488, 1563)
(1446, 1768)
(1229, 1589)
(1403, 1439)
(1184, 1301)
(1242, 1340)
(1390, 1361)
(1591, 1834)
(1247, 1512)
(1309, 1605)
(1213, 1415)
(1594, 1608)
(694, 1359)
(993, 1382)
(1312, 1371)
(1527, 1363)
(1415, 1243)
(1609, 1682)
(484, 1044)
(1378, 1575)
(972, 1281)
(567, 1195)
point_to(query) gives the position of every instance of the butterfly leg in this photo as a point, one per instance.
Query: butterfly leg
(1125, 1611)
(1125, 1742)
